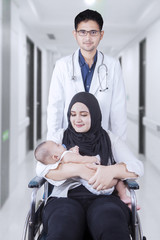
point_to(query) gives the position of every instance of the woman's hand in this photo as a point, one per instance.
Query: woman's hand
(85, 172)
(104, 177)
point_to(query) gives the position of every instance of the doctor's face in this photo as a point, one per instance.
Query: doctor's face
(80, 117)
(88, 42)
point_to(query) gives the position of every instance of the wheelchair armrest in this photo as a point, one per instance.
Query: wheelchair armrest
(36, 182)
(131, 184)
(36, 206)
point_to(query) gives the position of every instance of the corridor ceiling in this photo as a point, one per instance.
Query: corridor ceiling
(124, 20)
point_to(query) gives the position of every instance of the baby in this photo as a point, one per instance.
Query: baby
(49, 152)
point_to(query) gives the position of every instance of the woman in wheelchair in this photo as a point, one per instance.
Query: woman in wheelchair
(72, 209)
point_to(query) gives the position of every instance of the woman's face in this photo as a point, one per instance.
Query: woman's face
(80, 117)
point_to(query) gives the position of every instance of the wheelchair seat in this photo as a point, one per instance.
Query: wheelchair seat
(33, 229)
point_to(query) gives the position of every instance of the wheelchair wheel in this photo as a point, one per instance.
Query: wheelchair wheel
(33, 231)
(26, 227)
(139, 232)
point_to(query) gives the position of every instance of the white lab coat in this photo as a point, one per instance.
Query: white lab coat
(63, 88)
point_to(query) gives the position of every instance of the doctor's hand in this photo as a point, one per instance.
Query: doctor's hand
(103, 177)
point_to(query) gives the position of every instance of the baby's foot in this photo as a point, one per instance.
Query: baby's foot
(130, 206)
(127, 200)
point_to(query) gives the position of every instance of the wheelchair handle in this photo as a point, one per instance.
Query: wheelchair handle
(36, 182)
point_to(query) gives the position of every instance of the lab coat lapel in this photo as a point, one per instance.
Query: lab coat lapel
(78, 82)
(95, 81)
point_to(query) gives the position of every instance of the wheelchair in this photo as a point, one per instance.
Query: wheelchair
(33, 228)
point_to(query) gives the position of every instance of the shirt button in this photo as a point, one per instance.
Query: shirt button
(89, 70)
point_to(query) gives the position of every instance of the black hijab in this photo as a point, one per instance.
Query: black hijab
(96, 140)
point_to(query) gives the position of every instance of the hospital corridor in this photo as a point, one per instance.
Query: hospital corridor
(34, 35)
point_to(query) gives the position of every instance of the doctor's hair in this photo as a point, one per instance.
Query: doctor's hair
(88, 15)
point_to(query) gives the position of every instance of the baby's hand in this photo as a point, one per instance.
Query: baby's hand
(97, 161)
(75, 149)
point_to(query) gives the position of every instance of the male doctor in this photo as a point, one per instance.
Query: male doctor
(88, 70)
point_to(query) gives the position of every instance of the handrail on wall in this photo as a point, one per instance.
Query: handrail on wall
(151, 124)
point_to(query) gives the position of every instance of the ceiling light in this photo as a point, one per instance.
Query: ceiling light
(89, 2)
(51, 36)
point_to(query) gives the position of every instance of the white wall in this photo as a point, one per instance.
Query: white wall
(18, 119)
(23, 119)
(48, 61)
(0, 74)
(153, 94)
(45, 87)
(130, 66)
(14, 93)
(131, 78)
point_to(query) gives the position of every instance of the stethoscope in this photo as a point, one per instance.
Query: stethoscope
(98, 71)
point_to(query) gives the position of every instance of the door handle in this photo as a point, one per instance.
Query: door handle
(141, 108)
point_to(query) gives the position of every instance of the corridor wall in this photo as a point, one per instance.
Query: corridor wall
(5, 54)
(130, 68)
(152, 120)
(13, 91)
(0, 80)
(19, 120)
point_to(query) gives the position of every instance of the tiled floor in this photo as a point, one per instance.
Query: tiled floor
(12, 215)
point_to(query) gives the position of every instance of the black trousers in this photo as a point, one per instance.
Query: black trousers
(105, 217)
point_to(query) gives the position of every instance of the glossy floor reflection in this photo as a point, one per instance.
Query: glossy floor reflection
(148, 197)
(13, 213)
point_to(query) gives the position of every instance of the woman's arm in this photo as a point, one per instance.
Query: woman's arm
(70, 170)
(128, 166)
(105, 176)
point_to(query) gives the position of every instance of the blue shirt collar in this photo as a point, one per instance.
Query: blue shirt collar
(82, 61)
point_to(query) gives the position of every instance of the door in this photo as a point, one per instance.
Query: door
(39, 94)
(142, 80)
(30, 95)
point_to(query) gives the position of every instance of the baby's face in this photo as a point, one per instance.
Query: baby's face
(57, 149)
(54, 152)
